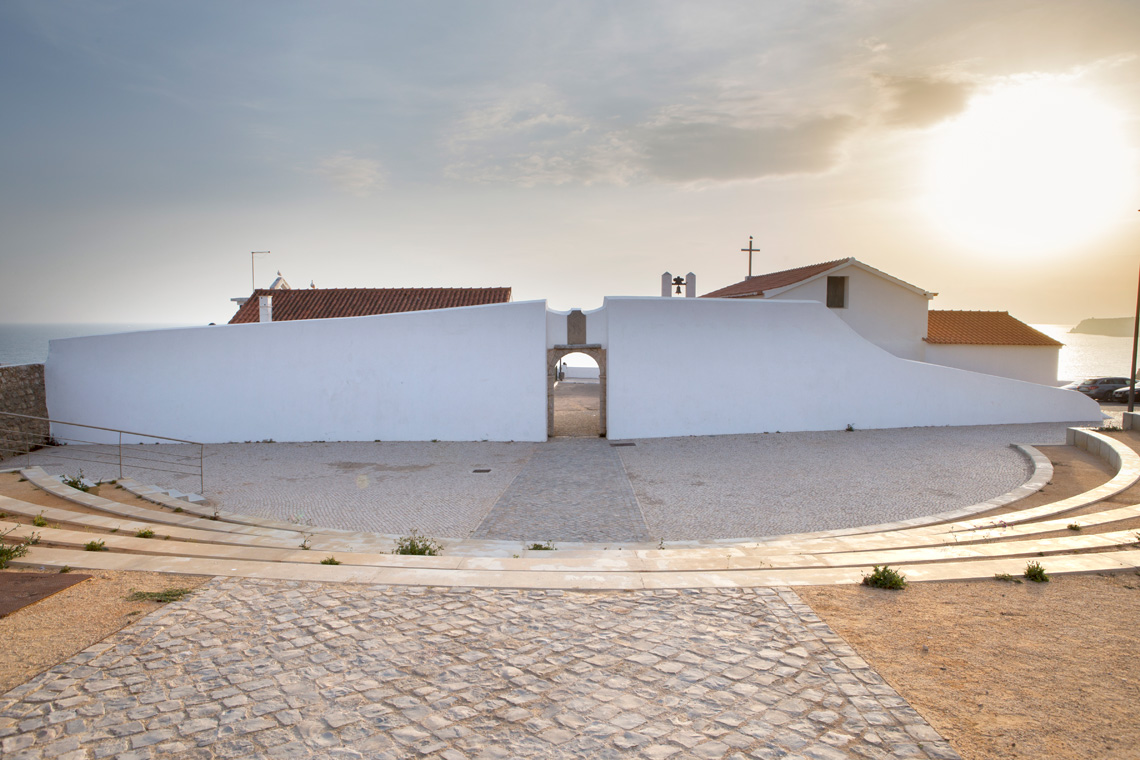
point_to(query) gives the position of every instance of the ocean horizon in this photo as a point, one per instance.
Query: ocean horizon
(28, 343)
(1083, 355)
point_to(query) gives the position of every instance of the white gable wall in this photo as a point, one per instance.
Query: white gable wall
(1035, 364)
(889, 315)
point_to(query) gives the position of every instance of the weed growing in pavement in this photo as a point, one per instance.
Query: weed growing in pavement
(179, 509)
(330, 560)
(850, 428)
(145, 533)
(65, 569)
(1006, 577)
(76, 482)
(39, 520)
(33, 539)
(885, 577)
(1036, 573)
(661, 544)
(547, 547)
(94, 546)
(306, 545)
(9, 552)
(1111, 428)
(167, 595)
(417, 544)
(1075, 526)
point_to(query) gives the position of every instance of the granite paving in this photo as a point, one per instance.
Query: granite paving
(253, 668)
(571, 489)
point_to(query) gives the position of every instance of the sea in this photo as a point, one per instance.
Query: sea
(1082, 356)
(28, 343)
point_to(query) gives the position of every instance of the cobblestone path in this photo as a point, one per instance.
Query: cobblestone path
(571, 489)
(254, 669)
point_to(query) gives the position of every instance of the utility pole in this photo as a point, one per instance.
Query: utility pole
(252, 257)
(750, 250)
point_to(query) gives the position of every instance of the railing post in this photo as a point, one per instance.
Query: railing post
(201, 469)
(120, 455)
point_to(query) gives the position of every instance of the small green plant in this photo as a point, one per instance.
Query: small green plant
(850, 428)
(1036, 573)
(330, 560)
(94, 546)
(661, 544)
(9, 552)
(885, 577)
(1075, 526)
(33, 539)
(145, 533)
(164, 596)
(39, 520)
(547, 547)
(179, 509)
(417, 544)
(77, 482)
(1006, 577)
(65, 569)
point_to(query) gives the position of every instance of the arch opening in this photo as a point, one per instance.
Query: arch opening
(576, 391)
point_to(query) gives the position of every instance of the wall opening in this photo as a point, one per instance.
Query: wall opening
(576, 391)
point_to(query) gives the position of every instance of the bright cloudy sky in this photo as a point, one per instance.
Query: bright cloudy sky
(987, 150)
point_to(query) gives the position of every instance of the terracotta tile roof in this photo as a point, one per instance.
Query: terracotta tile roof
(324, 303)
(982, 328)
(755, 286)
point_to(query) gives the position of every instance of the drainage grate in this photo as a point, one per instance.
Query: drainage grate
(630, 443)
(480, 471)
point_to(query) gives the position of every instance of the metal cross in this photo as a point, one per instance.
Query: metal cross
(750, 251)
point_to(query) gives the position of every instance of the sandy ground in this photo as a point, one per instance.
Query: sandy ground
(576, 409)
(1006, 671)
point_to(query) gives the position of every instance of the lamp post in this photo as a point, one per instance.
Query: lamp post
(1135, 340)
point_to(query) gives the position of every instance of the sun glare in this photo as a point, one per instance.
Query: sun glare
(1031, 167)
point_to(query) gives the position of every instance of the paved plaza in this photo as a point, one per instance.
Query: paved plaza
(590, 490)
(257, 669)
(290, 669)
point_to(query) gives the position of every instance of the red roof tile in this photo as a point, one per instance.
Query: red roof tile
(755, 286)
(982, 328)
(325, 303)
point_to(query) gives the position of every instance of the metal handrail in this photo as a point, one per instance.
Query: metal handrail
(24, 443)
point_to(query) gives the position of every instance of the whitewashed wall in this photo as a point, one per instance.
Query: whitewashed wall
(890, 316)
(1035, 364)
(688, 366)
(471, 373)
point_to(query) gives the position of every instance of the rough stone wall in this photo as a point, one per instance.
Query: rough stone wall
(22, 392)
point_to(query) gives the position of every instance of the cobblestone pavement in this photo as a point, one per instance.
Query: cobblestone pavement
(741, 486)
(571, 489)
(254, 669)
(690, 488)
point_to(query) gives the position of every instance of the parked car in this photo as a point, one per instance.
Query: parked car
(1101, 388)
(1120, 395)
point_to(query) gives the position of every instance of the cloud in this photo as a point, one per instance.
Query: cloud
(922, 101)
(351, 173)
(689, 152)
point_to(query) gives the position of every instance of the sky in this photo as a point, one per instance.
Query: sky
(986, 150)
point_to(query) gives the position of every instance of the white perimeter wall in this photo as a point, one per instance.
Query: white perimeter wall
(688, 366)
(1036, 364)
(471, 373)
(886, 314)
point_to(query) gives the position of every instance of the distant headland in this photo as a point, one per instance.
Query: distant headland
(1116, 327)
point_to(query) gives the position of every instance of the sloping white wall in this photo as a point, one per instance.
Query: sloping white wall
(470, 373)
(888, 315)
(1035, 364)
(689, 366)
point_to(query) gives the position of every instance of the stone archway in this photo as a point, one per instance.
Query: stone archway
(553, 356)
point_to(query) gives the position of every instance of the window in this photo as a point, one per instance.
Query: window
(837, 292)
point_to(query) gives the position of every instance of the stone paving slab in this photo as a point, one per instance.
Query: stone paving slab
(248, 668)
(571, 489)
